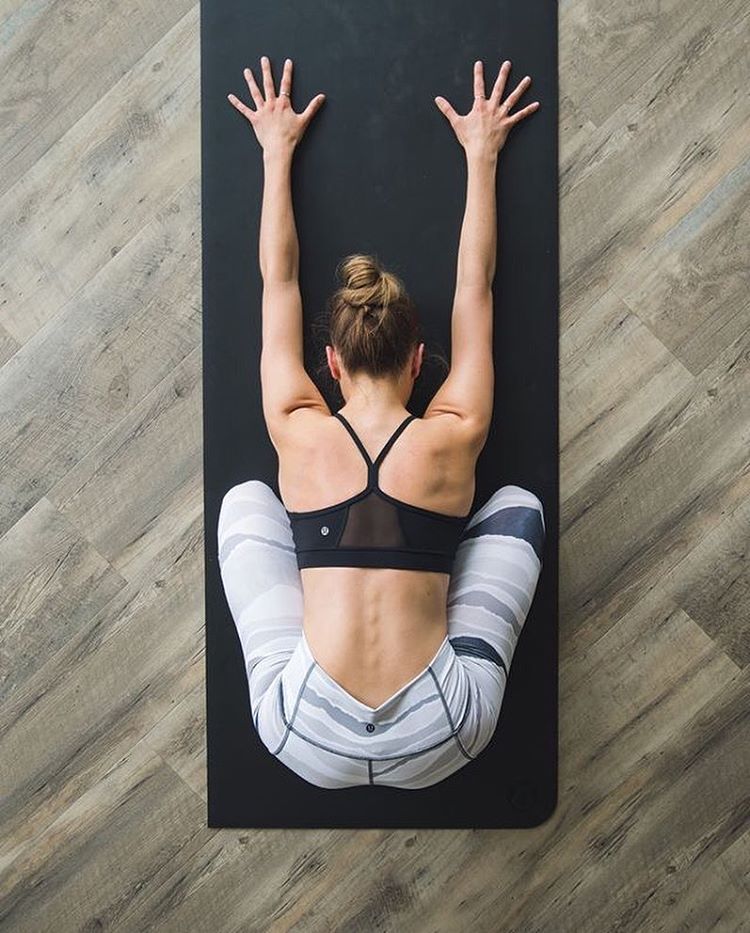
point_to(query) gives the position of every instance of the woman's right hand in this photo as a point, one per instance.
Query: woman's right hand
(485, 127)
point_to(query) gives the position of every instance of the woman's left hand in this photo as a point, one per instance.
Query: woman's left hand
(277, 127)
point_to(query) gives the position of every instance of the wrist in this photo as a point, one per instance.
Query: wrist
(278, 156)
(482, 156)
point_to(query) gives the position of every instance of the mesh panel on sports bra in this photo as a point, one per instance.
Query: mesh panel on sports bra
(372, 522)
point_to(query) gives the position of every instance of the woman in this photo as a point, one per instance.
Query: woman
(377, 618)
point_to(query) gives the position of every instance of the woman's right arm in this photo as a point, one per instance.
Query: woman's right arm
(468, 391)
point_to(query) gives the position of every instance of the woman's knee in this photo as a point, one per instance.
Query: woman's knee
(512, 491)
(247, 498)
(247, 491)
(518, 495)
(253, 501)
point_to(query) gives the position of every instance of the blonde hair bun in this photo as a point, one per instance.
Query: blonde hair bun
(373, 322)
(366, 283)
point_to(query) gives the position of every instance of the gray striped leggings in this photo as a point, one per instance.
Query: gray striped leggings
(433, 725)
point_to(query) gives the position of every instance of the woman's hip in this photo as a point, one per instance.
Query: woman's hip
(432, 726)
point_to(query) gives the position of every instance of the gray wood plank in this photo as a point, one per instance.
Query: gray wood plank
(8, 345)
(105, 351)
(611, 347)
(692, 287)
(106, 687)
(108, 40)
(110, 496)
(53, 583)
(122, 165)
(663, 491)
(139, 815)
(711, 584)
(179, 738)
(631, 182)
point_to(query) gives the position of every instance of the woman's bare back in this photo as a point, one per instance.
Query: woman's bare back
(373, 629)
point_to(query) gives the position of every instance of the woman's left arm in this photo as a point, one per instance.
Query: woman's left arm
(285, 383)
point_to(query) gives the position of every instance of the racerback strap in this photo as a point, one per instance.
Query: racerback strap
(373, 465)
(391, 440)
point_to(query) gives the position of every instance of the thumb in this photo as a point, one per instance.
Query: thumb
(445, 108)
(312, 108)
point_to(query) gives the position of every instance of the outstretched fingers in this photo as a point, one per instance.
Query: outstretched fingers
(479, 80)
(520, 114)
(499, 87)
(285, 88)
(253, 88)
(516, 93)
(267, 78)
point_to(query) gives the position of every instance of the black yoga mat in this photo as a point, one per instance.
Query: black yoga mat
(380, 171)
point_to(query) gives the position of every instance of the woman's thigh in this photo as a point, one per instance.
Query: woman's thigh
(492, 586)
(261, 581)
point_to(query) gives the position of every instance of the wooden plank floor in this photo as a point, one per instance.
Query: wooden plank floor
(102, 769)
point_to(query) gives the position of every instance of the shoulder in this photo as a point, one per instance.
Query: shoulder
(301, 427)
(456, 429)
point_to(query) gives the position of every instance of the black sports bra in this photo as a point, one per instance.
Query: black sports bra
(372, 529)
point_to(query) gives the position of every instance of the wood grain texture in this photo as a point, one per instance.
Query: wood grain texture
(102, 739)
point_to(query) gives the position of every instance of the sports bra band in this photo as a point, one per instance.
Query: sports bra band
(374, 529)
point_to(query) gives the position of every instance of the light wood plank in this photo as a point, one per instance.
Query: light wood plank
(53, 583)
(121, 164)
(109, 494)
(105, 351)
(662, 493)
(106, 687)
(46, 90)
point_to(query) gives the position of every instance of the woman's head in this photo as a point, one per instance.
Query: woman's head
(372, 323)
